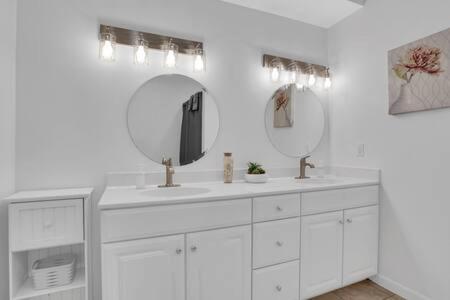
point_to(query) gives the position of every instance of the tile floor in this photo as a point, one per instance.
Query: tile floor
(364, 290)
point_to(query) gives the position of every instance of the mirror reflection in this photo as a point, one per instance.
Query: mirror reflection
(294, 120)
(173, 116)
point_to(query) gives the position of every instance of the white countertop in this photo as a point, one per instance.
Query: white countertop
(47, 195)
(127, 197)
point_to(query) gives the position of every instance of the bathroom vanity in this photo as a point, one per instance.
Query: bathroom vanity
(284, 240)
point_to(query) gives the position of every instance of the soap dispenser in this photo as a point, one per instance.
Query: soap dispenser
(140, 177)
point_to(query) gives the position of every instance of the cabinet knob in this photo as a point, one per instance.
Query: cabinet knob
(279, 288)
(193, 248)
(341, 222)
(279, 243)
(279, 208)
(178, 251)
(349, 220)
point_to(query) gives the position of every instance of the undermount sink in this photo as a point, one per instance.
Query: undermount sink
(318, 180)
(176, 192)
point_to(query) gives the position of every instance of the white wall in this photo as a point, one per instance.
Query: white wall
(71, 107)
(412, 150)
(7, 125)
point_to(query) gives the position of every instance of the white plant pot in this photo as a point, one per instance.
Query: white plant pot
(253, 178)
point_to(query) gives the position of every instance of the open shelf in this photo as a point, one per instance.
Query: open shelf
(27, 291)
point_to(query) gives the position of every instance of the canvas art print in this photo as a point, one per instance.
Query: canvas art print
(283, 107)
(419, 75)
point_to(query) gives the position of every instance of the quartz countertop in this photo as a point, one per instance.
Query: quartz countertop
(48, 195)
(128, 197)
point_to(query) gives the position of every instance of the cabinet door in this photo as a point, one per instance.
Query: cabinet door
(360, 244)
(151, 269)
(219, 264)
(321, 254)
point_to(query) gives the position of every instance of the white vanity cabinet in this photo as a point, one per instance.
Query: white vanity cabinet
(144, 269)
(289, 246)
(341, 247)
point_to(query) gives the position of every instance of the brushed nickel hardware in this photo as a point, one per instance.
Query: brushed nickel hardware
(303, 165)
(179, 251)
(341, 222)
(279, 208)
(349, 220)
(279, 288)
(169, 174)
(128, 37)
(193, 248)
(279, 243)
(289, 64)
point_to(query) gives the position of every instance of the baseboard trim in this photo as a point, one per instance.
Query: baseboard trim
(398, 288)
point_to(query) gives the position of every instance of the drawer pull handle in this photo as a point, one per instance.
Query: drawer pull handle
(179, 251)
(48, 224)
(341, 222)
(193, 248)
(349, 220)
(279, 288)
(279, 243)
(279, 208)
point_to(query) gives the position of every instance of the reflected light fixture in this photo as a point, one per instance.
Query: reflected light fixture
(170, 55)
(199, 60)
(312, 77)
(141, 51)
(275, 70)
(293, 73)
(327, 82)
(107, 45)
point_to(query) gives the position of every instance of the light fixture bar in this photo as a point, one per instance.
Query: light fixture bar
(287, 63)
(155, 41)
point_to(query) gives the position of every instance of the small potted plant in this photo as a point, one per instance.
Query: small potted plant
(256, 173)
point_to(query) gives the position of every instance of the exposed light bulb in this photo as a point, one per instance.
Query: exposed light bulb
(275, 74)
(140, 56)
(300, 86)
(107, 51)
(311, 80)
(107, 45)
(199, 64)
(293, 76)
(170, 59)
(327, 83)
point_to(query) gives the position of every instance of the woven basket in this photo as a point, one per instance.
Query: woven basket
(53, 271)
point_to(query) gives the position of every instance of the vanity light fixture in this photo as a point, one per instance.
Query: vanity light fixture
(143, 41)
(141, 51)
(107, 49)
(199, 60)
(306, 74)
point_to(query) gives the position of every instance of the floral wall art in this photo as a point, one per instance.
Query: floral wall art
(419, 75)
(283, 107)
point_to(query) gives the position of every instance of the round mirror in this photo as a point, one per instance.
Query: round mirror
(295, 121)
(173, 116)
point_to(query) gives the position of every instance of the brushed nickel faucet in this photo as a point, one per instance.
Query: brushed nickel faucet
(303, 165)
(169, 174)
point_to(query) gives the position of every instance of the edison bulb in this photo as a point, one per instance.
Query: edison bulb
(311, 80)
(140, 56)
(275, 75)
(170, 60)
(107, 51)
(327, 83)
(199, 64)
(293, 76)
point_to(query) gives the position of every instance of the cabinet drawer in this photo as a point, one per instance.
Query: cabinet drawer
(275, 242)
(276, 207)
(318, 202)
(45, 224)
(280, 282)
(125, 224)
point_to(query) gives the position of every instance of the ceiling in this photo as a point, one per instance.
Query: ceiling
(323, 13)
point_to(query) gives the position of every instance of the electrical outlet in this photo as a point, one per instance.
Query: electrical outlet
(361, 150)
